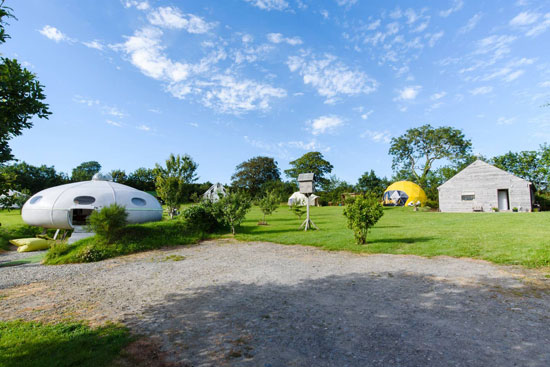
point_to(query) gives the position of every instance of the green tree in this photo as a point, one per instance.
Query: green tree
(33, 178)
(362, 213)
(311, 162)
(528, 164)
(232, 208)
(119, 176)
(85, 171)
(21, 95)
(369, 182)
(297, 209)
(269, 204)
(418, 149)
(334, 189)
(171, 180)
(253, 174)
(142, 179)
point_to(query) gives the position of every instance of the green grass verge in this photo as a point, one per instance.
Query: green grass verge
(33, 344)
(135, 238)
(503, 238)
(28, 260)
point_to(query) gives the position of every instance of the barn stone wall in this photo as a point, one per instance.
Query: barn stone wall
(484, 181)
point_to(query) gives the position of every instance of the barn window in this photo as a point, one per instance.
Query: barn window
(35, 199)
(468, 196)
(84, 200)
(138, 201)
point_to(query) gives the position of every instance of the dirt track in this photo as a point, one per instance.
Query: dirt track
(270, 305)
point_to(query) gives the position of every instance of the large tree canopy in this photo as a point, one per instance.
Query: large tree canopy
(181, 167)
(85, 171)
(21, 95)
(33, 178)
(418, 149)
(311, 162)
(253, 174)
(370, 183)
(142, 179)
(530, 165)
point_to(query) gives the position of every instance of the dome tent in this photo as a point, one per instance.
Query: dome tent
(403, 193)
(68, 206)
(300, 199)
(214, 192)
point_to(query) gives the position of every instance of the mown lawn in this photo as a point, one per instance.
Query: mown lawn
(503, 238)
(33, 344)
(12, 226)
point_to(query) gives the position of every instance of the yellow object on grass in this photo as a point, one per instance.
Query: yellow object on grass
(31, 244)
(403, 193)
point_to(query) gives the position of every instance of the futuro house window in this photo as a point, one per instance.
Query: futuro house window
(138, 201)
(84, 200)
(35, 199)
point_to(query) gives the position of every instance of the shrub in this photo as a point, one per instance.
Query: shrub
(434, 204)
(58, 249)
(543, 200)
(201, 217)
(108, 222)
(515, 210)
(268, 204)
(362, 213)
(92, 253)
(232, 208)
(297, 209)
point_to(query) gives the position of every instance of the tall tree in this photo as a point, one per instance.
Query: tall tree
(171, 180)
(253, 175)
(85, 171)
(370, 183)
(142, 179)
(21, 95)
(119, 176)
(529, 165)
(33, 178)
(311, 162)
(419, 148)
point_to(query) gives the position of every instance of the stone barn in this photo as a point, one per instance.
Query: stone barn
(481, 187)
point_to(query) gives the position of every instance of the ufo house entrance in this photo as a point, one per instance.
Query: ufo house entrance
(79, 216)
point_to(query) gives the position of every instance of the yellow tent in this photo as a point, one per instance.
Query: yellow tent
(402, 193)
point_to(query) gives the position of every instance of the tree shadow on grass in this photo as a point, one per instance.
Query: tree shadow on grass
(400, 240)
(354, 320)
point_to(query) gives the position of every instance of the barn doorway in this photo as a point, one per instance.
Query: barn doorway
(79, 217)
(503, 200)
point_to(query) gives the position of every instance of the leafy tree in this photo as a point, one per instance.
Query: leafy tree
(363, 212)
(33, 178)
(369, 182)
(311, 162)
(17, 199)
(297, 209)
(334, 189)
(232, 208)
(142, 179)
(269, 204)
(253, 174)
(85, 171)
(418, 149)
(119, 176)
(21, 95)
(108, 222)
(171, 180)
(528, 165)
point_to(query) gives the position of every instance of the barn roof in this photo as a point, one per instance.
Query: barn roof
(479, 163)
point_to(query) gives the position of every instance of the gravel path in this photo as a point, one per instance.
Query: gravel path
(261, 304)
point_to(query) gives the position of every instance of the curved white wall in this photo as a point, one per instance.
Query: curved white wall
(51, 208)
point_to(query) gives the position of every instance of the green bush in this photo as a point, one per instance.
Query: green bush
(543, 200)
(232, 208)
(201, 217)
(434, 204)
(268, 204)
(92, 253)
(362, 212)
(108, 222)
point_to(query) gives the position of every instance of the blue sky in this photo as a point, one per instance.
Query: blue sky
(129, 82)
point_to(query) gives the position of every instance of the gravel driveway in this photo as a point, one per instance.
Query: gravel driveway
(259, 304)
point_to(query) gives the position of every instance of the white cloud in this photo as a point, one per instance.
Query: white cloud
(408, 93)
(437, 96)
(346, 2)
(143, 127)
(87, 101)
(433, 38)
(481, 90)
(193, 124)
(545, 84)
(140, 5)
(269, 4)
(54, 34)
(541, 27)
(472, 23)
(173, 18)
(514, 75)
(524, 18)
(325, 124)
(377, 136)
(95, 44)
(457, 5)
(505, 121)
(113, 123)
(238, 96)
(366, 115)
(330, 77)
(105, 109)
(373, 25)
(278, 38)
(325, 14)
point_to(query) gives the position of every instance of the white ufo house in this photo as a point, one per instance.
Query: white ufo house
(68, 206)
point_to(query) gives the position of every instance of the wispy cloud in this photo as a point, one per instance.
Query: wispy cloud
(457, 5)
(54, 34)
(472, 23)
(269, 4)
(481, 90)
(171, 17)
(325, 124)
(506, 120)
(377, 136)
(330, 77)
(114, 123)
(279, 38)
(143, 127)
(408, 93)
(95, 44)
(438, 96)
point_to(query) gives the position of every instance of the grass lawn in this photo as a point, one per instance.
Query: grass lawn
(13, 227)
(503, 238)
(30, 344)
